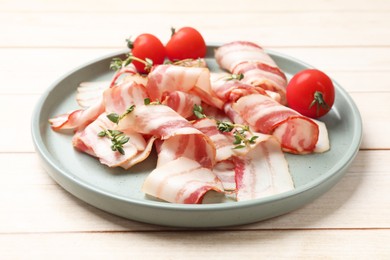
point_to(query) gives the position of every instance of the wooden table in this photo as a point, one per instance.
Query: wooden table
(41, 40)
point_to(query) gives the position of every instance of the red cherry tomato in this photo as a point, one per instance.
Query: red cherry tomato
(186, 43)
(147, 46)
(311, 93)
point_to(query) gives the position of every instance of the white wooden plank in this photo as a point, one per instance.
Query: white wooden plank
(281, 29)
(295, 244)
(192, 6)
(33, 70)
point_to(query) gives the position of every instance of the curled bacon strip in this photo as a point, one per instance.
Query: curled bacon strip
(258, 68)
(164, 79)
(181, 181)
(296, 133)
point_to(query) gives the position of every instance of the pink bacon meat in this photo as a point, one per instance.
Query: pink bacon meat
(164, 79)
(258, 68)
(182, 102)
(120, 97)
(182, 181)
(296, 133)
(178, 134)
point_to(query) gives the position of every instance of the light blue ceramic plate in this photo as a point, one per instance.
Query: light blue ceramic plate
(118, 191)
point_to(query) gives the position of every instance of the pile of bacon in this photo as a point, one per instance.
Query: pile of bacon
(194, 155)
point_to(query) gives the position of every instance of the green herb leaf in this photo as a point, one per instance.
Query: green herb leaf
(225, 126)
(114, 117)
(198, 111)
(146, 101)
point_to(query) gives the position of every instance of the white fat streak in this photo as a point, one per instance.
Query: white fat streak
(323, 143)
(266, 172)
(224, 170)
(181, 176)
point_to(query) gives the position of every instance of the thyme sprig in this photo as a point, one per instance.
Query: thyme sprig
(118, 63)
(243, 137)
(115, 118)
(118, 139)
(197, 63)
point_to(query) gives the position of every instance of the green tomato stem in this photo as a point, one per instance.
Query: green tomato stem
(319, 102)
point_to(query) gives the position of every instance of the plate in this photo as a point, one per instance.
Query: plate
(119, 191)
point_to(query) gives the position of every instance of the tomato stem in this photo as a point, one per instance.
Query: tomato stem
(130, 43)
(173, 31)
(319, 101)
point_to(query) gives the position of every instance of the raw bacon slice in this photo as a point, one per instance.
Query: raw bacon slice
(164, 79)
(77, 119)
(180, 137)
(229, 90)
(181, 181)
(182, 102)
(258, 68)
(115, 99)
(197, 147)
(90, 92)
(229, 55)
(262, 172)
(88, 141)
(223, 141)
(296, 133)
(158, 120)
(120, 97)
(271, 79)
